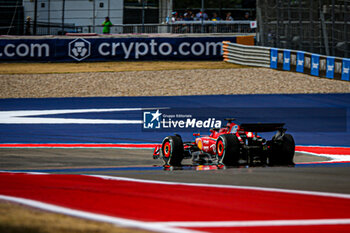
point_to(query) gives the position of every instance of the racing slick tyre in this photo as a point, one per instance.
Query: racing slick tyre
(172, 150)
(282, 151)
(228, 150)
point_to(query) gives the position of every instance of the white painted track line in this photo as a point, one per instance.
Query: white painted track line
(97, 217)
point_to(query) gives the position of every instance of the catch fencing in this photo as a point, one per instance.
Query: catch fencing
(321, 26)
(180, 27)
(177, 27)
(288, 60)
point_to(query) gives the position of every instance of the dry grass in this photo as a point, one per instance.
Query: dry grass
(51, 68)
(16, 218)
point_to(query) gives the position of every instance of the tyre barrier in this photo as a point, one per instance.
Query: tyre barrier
(288, 60)
(246, 55)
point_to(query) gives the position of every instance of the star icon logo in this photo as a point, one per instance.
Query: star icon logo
(156, 115)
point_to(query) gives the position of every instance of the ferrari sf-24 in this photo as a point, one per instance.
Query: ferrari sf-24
(231, 145)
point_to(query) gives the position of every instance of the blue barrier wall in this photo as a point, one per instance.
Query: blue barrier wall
(112, 49)
(313, 119)
(313, 64)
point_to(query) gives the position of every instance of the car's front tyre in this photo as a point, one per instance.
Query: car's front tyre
(173, 150)
(228, 149)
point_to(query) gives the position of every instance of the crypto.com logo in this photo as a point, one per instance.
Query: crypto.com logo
(79, 49)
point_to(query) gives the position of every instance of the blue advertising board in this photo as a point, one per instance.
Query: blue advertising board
(312, 119)
(330, 67)
(300, 62)
(113, 49)
(345, 71)
(273, 58)
(315, 64)
(286, 59)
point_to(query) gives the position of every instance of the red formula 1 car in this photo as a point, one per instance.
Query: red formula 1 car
(231, 145)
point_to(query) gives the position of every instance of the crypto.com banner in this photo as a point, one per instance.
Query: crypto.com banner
(112, 49)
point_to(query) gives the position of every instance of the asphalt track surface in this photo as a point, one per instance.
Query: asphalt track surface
(332, 178)
(139, 164)
(128, 188)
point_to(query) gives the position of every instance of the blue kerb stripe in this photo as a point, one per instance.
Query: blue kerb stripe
(323, 165)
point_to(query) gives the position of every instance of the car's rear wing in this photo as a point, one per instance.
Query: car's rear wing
(262, 127)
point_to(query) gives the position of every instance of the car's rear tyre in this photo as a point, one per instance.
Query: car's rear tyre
(172, 150)
(282, 151)
(228, 149)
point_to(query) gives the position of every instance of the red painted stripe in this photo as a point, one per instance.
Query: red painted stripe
(164, 202)
(279, 229)
(324, 150)
(79, 145)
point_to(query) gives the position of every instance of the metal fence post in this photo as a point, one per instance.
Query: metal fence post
(93, 15)
(261, 39)
(35, 16)
(49, 16)
(278, 24)
(202, 18)
(346, 16)
(109, 8)
(63, 9)
(289, 24)
(311, 27)
(324, 30)
(143, 16)
(333, 22)
(301, 37)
